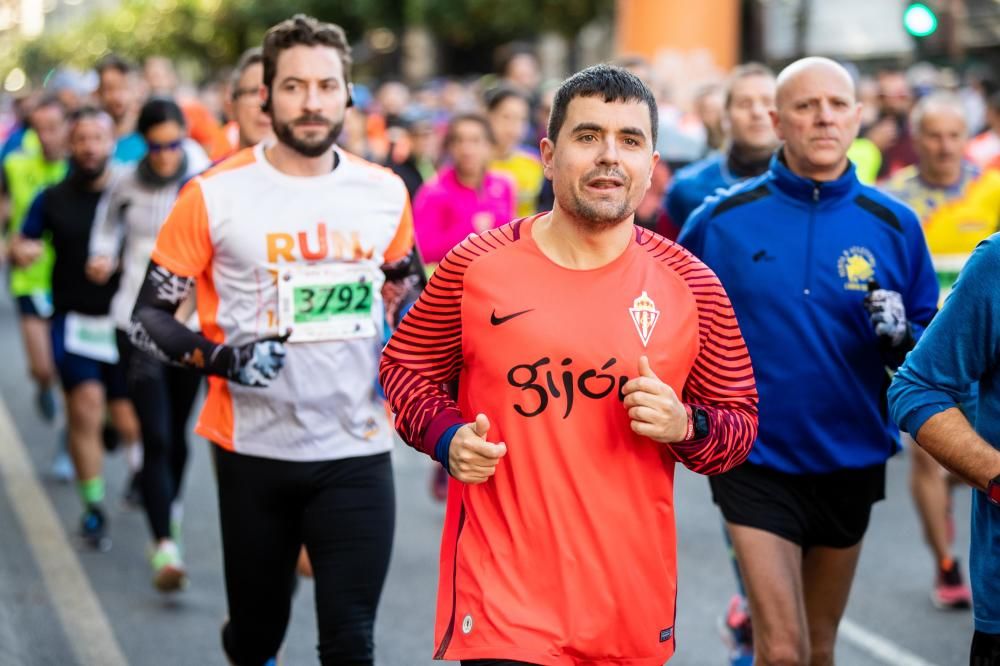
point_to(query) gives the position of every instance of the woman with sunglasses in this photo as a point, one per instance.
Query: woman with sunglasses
(125, 229)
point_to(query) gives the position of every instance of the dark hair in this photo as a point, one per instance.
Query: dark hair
(302, 30)
(460, 118)
(115, 62)
(494, 97)
(744, 71)
(159, 110)
(252, 56)
(614, 84)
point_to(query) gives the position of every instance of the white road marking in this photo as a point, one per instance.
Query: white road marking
(878, 647)
(86, 626)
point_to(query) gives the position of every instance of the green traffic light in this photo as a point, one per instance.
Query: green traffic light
(919, 20)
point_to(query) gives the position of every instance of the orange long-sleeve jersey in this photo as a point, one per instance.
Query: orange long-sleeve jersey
(567, 555)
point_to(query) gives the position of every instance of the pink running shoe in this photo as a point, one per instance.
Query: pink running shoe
(950, 591)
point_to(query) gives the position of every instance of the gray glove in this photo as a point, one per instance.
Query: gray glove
(888, 314)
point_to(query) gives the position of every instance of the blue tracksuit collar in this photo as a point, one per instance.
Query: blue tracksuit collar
(806, 189)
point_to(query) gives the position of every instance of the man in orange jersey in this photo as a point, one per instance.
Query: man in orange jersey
(558, 367)
(300, 252)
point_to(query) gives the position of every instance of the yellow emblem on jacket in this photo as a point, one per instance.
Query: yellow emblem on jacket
(857, 265)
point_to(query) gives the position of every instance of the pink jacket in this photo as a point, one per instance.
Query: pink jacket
(445, 212)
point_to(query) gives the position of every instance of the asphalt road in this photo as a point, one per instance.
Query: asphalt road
(47, 581)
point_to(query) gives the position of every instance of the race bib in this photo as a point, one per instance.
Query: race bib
(91, 337)
(326, 302)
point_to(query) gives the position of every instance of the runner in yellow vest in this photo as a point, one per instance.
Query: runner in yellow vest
(40, 162)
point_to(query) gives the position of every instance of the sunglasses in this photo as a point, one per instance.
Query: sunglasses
(161, 147)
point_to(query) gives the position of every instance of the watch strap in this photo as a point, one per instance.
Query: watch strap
(993, 490)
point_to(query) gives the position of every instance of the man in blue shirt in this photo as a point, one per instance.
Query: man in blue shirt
(749, 100)
(831, 282)
(962, 346)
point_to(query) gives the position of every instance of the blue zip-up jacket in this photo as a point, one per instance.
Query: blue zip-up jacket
(796, 258)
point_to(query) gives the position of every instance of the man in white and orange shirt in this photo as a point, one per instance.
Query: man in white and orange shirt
(299, 253)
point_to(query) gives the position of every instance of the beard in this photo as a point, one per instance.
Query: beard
(285, 133)
(85, 174)
(601, 214)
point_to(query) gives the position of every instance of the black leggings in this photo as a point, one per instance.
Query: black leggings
(163, 396)
(985, 650)
(343, 511)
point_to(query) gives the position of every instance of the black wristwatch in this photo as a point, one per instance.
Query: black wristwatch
(993, 490)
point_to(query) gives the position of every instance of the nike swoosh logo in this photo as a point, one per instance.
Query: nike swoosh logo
(496, 321)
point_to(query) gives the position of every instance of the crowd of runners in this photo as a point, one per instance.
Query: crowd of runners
(557, 290)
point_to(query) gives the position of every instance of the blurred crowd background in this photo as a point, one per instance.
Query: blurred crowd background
(419, 63)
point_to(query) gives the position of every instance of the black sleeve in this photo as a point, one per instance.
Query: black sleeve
(404, 280)
(155, 330)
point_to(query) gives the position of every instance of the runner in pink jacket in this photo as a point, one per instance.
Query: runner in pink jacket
(463, 198)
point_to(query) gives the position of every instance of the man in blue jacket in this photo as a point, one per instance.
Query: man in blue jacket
(831, 282)
(962, 346)
(749, 101)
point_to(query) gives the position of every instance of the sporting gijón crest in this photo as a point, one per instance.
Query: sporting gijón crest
(644, 316)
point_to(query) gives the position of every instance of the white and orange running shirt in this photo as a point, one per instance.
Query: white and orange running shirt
(240, 226)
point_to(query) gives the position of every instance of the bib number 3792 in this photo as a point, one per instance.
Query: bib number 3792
(326, 302)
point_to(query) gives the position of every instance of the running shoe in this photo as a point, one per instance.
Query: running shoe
(94, 528)
(950, 591)
(737, 633)
(168, 569)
